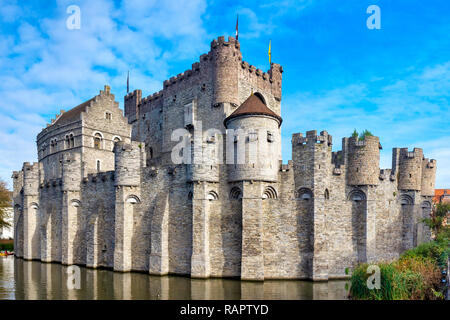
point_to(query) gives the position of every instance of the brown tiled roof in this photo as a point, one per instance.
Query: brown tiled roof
(254, 105)
(73, 114)
(438, 194)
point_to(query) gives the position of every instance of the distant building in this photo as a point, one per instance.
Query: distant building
(8, 233)
(441, 196)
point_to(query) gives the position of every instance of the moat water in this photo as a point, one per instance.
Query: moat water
(20, 279)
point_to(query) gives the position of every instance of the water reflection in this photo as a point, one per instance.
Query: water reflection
(21, 279)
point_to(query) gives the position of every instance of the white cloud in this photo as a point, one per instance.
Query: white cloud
(402, 113)
(46, 67)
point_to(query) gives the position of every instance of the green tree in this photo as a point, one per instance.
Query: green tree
(437, 217)
(5, 202)
(355, 134)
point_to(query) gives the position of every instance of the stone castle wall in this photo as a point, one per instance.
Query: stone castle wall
(312, 218)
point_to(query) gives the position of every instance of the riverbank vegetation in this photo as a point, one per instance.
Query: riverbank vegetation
(416, 275)
(5, 202)
(7, 247)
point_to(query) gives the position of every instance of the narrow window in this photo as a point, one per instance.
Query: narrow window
(108, 116)
(98, 166)
(71, 141)
(97, 141)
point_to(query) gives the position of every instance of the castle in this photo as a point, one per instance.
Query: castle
(106, 191)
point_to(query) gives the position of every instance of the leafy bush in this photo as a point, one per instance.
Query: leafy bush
(361, 136)
(412, 277)
(437, 250)
(6, 246)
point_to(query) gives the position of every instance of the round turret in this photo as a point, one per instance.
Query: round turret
(410, 169)
(127, 162)
(71, 171)
(363, 161)
(226, 57)
(254, 129)
(428, 177)
(30, 179)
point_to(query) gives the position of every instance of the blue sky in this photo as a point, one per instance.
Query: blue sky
(339, 75)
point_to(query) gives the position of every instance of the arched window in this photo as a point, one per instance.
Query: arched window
(115, 140)
(426, 209)
(98, 165)
(67, 142)
(212, 195)
(326, 194)
(304, 194)
(75, 203)
(406, 200)
(71, 140)
(356, 195)
(269, 193)
(34, 206)
(133, 199)
(98, 141)
(235, 193)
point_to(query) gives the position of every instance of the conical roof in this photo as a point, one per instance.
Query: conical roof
(254, 105)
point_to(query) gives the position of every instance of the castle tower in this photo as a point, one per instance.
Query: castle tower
(253, 149)
(363, 160)
(71, 207)
(311, 157)
(409, 170)
(428, 177)
(226, 57)
(408, 166)
(17, 177)
(129, 159)
(31, 249)
(203, 173)
(131, 103)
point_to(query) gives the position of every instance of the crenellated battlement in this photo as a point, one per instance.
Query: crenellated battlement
(312, 138)
(220, 42)
(363, 159)
(428, 176)
(430, 164)
(225, 61)
(99, 177)
(415, 153)
(408, 165)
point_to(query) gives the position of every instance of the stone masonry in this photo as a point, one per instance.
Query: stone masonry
(106, 191)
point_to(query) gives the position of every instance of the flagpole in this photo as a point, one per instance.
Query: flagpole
(237, 27)
(128, 82)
